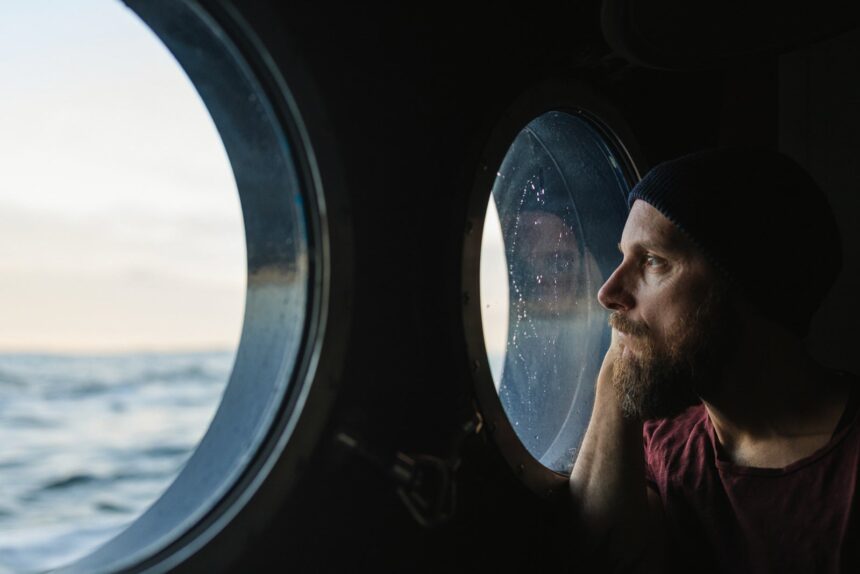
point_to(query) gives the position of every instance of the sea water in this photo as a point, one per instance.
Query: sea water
(87, 443)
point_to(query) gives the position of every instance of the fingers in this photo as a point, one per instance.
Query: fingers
(612, 355)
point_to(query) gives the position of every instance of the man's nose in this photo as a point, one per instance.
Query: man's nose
(614, 295)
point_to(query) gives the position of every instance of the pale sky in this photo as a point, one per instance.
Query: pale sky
(120, 224)
(495, 302)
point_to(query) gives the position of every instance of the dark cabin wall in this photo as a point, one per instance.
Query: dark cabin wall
(409, 95)
(819, 120)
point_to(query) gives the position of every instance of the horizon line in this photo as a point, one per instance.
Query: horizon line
(116, 352)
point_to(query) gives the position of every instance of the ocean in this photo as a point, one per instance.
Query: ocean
(87, 443)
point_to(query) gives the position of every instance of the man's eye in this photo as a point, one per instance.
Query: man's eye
(654, 262)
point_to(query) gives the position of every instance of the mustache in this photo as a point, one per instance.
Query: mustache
(627, 326)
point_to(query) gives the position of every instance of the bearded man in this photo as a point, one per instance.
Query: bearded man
(716, 443)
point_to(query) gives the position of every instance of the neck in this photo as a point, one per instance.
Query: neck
(774, 404)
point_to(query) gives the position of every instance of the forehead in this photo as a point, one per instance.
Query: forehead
(647, 227)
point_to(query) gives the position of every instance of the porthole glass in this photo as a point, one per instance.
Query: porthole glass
(557, 208)
(123, 275)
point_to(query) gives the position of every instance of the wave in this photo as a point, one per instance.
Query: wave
(186, 373)
(70, 481)
(165, 451)
(60, 378)
(113, 508)
(92, 440)
(9, 379)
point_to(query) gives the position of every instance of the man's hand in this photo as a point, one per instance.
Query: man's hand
(612, 356)
(608, 482)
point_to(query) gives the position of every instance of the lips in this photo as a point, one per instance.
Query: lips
(632, 343)
(625, 326)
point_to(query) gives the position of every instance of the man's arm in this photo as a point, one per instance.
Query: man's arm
(618, 513)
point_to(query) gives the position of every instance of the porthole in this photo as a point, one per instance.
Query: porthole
(262, 425)
(123, 276)
(554, 204)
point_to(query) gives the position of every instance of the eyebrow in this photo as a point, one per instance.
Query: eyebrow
(669, 247)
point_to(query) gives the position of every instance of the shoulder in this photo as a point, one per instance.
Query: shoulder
(677, 444)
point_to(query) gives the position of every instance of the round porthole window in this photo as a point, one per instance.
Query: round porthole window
(550, 234)
(270, 412)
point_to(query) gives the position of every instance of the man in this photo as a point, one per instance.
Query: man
(716, 443)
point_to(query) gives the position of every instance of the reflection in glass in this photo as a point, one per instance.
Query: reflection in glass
(560, 196)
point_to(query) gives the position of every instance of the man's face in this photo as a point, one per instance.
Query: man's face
(670, 315)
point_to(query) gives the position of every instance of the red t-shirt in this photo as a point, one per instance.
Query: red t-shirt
(722, 517)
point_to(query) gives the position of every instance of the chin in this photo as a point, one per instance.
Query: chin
(628, 354)
(652, 389)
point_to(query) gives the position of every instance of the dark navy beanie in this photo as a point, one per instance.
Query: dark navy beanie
(760, 219)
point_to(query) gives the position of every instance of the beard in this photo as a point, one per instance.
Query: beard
(662, 382)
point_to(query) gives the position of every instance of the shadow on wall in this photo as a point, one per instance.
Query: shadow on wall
(819, 126)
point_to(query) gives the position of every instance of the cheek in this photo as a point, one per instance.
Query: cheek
(668, 301)
(668, 318)
(685, 326)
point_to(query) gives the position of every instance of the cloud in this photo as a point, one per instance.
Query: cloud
(120, 224)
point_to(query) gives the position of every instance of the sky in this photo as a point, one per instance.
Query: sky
(120, 224)
(495, 303)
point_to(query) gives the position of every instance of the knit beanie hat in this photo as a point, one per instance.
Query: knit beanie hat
(760, 219)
